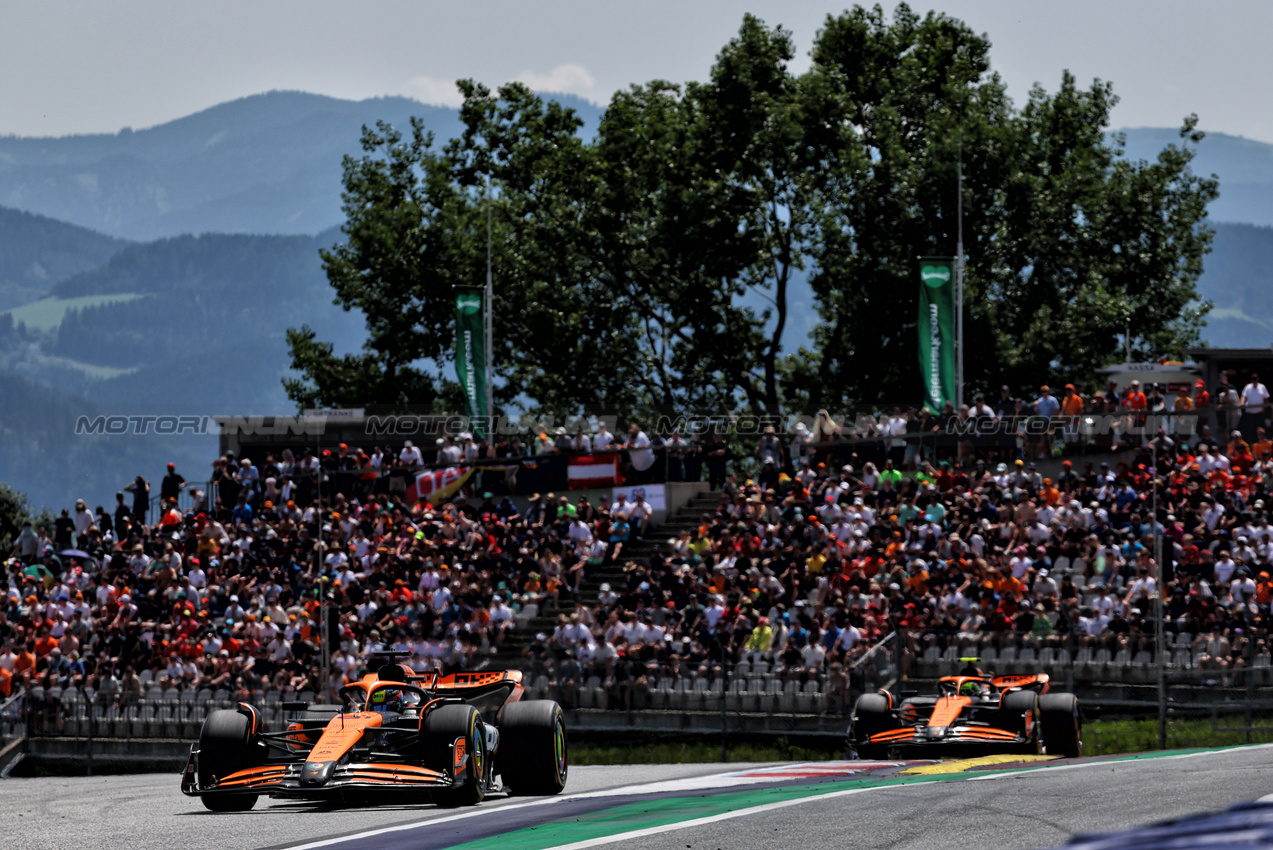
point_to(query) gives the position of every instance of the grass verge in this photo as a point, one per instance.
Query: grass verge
(1115, 736)
(1133, 735)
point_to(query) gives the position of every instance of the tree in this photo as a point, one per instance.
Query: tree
(705, 215)
(402, 216)
(1065, 239)
(416, 227)
(670, 241)
(14, 510)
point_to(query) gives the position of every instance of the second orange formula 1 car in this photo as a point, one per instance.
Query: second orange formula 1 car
(974, 713)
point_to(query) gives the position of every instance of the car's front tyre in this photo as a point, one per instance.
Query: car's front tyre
(441, 728)
(871, 715)
(225, 747)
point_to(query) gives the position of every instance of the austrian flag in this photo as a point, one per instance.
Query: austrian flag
(594, 470)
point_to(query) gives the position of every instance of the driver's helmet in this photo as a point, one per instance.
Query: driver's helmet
(970, 689)
(386, 699)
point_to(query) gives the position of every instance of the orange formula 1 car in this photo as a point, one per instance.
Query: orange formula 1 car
(426, 737)
(974, 713)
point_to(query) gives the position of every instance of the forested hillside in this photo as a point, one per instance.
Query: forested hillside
(37, 252)
(269, 163)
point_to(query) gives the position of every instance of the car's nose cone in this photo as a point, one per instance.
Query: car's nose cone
(317, 773)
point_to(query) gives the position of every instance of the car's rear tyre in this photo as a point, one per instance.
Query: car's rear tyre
(225, 747)
(871, 715)
(442, 727)
(533, 756)
(1062, 725)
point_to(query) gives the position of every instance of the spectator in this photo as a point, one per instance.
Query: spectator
(640, 454)
(410, 455)
(171, 485)
(140, 488)
(1254, 400)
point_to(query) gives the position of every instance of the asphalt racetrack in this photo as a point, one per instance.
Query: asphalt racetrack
(1001, 803)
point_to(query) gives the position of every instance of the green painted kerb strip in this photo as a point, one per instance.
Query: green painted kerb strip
(654, 813)
(668, 810)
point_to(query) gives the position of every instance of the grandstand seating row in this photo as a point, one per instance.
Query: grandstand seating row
(1089, 664)
(748, 694)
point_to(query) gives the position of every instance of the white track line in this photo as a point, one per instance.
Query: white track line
(327, 842)
(754, 810)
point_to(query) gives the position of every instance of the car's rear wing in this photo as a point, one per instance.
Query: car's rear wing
(1034, 681)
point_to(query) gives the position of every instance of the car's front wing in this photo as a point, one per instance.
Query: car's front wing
(284, 779)
(953, 737)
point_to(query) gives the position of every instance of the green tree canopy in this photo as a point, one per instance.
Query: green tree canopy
(653, 264)
(14, 510)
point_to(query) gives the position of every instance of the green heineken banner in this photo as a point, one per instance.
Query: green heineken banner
(470, 353)
(937, 330)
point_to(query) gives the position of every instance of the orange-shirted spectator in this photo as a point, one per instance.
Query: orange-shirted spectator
(1007, 583)
(6, 683)
(1239, 453)
(1050, 493)
(1263, 448)
(1201, 398)
(25, 662)
(172, 516)
(1071, 403)
(872, 566)
(918, 583)
(45, 643)
(1264, 588)
(1135, 398)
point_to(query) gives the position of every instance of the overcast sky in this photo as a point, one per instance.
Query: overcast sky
(73, 66)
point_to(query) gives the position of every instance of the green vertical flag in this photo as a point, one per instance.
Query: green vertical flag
(937, 330)
(470, 353)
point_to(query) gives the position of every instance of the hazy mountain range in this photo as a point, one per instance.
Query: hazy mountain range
(157, 270)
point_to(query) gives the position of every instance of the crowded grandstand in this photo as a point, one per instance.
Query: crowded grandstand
(1027, 539)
